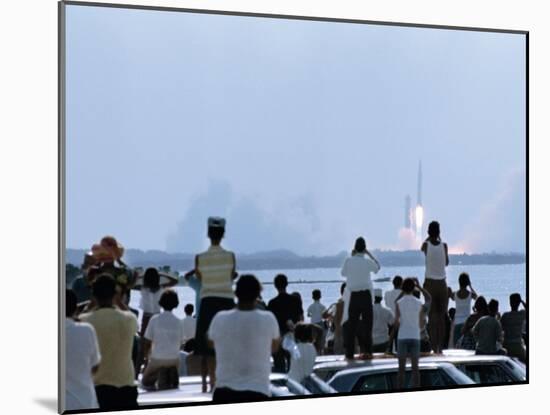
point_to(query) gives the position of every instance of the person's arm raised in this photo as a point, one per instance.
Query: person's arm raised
(474, 294)
(197, 272)
(234, 273)
(450, 293)
(374, 259)
(422, 318)
(426, 294)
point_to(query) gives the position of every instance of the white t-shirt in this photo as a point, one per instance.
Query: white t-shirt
(315, 311)
(382, 317)
(166, 332)
(149, 301)
(189, 325)
(242, 340)
(303, 366)
(435, 261)
(409, 317)
(463, 307)
(390, 297)
(82, 353)
(357, 269)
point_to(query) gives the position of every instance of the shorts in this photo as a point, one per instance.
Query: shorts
(227, 395)
(408, 348)
(116, 398)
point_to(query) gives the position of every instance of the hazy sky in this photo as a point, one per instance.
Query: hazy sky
(304, 135)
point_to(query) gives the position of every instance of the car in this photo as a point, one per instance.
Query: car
(190, 386)
(383, 377)
(311, 385)
(482, 369)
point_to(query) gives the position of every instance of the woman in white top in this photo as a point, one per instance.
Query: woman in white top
(150, 296)
(437, 258)
(463, 300)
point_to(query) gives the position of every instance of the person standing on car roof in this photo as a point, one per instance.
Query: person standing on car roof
(409, 318)
(358, 309)
(435, 282)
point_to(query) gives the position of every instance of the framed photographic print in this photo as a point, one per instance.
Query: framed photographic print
(263, 207)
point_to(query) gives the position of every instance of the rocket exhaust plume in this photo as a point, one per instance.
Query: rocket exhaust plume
(419, 218)
(419, 210)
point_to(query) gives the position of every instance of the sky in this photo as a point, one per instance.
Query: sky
(304, 135)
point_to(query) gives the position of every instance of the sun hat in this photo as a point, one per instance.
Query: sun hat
(108, 250)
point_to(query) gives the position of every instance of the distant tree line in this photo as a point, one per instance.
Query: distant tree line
(282, 259)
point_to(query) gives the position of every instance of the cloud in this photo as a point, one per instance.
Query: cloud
(293, 224)
(407, 239)
(501, 223)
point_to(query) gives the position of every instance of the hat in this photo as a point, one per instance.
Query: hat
(108, 250)
(377, 292)
(216, 222)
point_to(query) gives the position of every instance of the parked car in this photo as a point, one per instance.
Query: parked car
(190, 386)
(383, 377)
(482, 369)
(312, 385)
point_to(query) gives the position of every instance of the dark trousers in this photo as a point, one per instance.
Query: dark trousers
(227, 395)
(438, 311)
(281, 361)
(110, 397)
(359, 323)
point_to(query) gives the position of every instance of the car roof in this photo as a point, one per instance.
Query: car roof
(391, 366)
(379, 360)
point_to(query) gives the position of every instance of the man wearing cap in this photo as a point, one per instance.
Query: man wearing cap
(215, 268)
(358, 306)
(383, 319)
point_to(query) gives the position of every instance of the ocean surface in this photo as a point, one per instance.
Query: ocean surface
(491, 281)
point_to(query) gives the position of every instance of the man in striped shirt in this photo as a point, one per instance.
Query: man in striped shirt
(215, 268)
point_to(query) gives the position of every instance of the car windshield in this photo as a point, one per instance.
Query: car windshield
(433, 377)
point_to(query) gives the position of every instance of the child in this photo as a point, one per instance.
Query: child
(315, 312)
(410, 315)
(150, 296)
(189, 323)
(163, 337)
(463, 300)
(302, 362)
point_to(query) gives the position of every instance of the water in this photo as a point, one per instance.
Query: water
(491, 281)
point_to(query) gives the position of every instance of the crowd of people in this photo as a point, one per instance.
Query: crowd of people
(234, 342)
